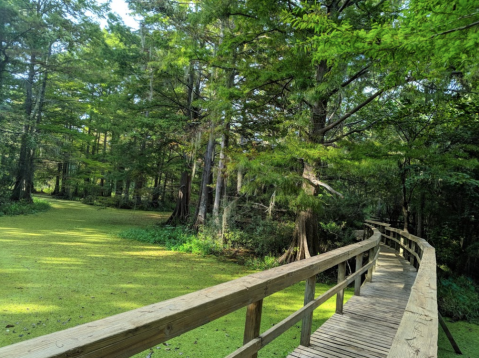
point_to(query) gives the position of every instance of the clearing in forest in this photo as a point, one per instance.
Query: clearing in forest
(67, 267)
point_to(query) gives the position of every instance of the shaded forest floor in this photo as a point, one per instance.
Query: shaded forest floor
(67, 267)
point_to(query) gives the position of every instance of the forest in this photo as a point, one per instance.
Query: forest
(271, 127)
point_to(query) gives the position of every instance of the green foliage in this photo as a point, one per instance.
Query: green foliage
(262, 237)
(262, 263)
(458, 298)
(11, 208)
(173, 238)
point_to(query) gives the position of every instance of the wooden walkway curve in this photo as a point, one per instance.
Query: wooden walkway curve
(394, 314)
(370, 321)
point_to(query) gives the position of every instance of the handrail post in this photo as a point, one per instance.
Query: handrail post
(340, 294)
(413, 249)
(369, 275)
(357, 282)
(401, 249)
(308, 320)
(407, 243)
(253, 322)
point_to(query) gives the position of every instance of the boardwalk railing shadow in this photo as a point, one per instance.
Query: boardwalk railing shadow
(128, 333)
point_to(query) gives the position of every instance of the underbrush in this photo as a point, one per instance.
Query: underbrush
(11, 208)
(261, 263)
(120, 203)
(256, 245)
(458, 298)
(174, 239)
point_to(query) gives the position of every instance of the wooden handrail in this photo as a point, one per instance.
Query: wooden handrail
(131, 332)
(418, 331)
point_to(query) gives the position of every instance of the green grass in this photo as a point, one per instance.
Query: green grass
(67, 266)
(466, 336)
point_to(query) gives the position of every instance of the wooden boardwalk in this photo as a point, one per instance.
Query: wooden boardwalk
(369, 322)
(395, 316)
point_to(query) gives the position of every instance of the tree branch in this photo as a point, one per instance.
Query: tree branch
(308, 174)
(456, 29)
(359, 130)
(350, 113)
(353, 78)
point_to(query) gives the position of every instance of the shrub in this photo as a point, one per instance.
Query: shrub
(262, 237)
(11, 208)
(173, 238)
(261, 264)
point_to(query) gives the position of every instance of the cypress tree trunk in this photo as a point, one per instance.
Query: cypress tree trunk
(127, 190)
(306, 238)
(23, 185)
(200, 215)
(182, 210)
(56, 190)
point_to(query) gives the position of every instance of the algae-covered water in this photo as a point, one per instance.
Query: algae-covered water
(66, 267)
(466, 336)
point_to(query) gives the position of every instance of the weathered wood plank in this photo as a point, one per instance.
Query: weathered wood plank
(370, 322)
(253, 323)
(340, 294)
(417, 333)
(308, 319)
(357, 282)
(132, 332)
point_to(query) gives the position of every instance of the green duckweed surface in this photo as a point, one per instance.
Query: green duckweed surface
(67, 267)
(466, 336)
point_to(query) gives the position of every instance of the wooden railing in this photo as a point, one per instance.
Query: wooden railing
(134, 331)
(418, 330)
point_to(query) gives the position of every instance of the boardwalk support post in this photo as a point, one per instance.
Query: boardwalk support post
(357, 282)
(413, 249)
(253, 322)
(308, 320)
(369, 275)
(401, 249)
(448, 334)
(340, 294)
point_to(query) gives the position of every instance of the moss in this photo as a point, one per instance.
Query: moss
(466, 336)
(68, 266)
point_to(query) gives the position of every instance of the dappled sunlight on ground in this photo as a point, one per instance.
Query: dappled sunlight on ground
(22, 308)
(67, 267)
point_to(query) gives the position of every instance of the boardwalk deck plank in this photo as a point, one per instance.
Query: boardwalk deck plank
(369, 322)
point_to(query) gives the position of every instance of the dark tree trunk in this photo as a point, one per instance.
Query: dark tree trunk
(56, 190)
(420, 216)
(305, 238)
(155, 197)
(119, 188)
(137, 191)
(205, 190)
(404, 170)
(182, 210)
(127, 190)
(22, 186)
(64, 187)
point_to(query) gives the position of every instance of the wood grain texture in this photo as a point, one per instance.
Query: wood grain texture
(308, 319)
(370, 322)
(128, 333)
(253, 323)
(418, 329)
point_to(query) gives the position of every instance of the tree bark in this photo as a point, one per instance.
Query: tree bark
(200, 215)
(182, 210)
(305, 238)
